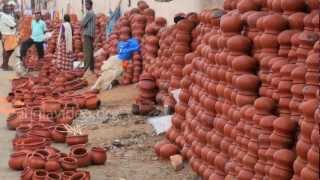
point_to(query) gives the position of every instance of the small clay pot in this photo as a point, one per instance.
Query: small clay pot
(39, 174)
(98, 155)
(59, 133)
(53, 164)
(50, 106)
(69, 163)
(92, 102)
(27, 173)
(168, 150)
(80, 176)
(16, 160)
(75, 140)
(53, 176)
(82, 156)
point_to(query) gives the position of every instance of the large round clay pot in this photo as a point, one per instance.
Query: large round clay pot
(69, 163)
(75, 140)
(53, 163)
(82, 156)
(98, 155)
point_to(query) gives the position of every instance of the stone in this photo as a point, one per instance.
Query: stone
(176, 162)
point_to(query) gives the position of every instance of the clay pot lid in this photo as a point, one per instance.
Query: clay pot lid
(253, 18)
(239, 43)
(266, 122)
(284, 38)
(308, 108)
(292, 6)
(313, 61)
(284, 158)
(244, 64)
(248, 82)
(285, 71)
(308, 38)
(231, 23)
(298, 74)
(264, 104)
(278, 64)
(274, 23)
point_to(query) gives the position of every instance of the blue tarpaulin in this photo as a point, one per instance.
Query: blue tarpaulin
(114, 16)
(127, 48)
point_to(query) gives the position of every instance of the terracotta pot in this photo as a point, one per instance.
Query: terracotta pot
(50, 106)
(92, 102)
(98, 155)
(27, 174)
(53, 163)
(16, 160)
(39, 174)
(80, 176)
(66, 175)
(82, 156)
(168, 150)
(59, 133)
(75, 140)
(13, 121)
(69, 163)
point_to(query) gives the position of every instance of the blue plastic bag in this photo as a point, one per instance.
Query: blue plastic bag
(127, 48)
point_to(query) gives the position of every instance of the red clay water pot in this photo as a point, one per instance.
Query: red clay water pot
(76, 139)
(27, 174)
(59, 133)
(39, 174)
(53, 176)
(82, 155)
(53, 164)
(50, 106)
(92, 102)
(168, 150)
(16, 160)
(35, 161)
(98, 155)
(69, 163)
(81, 175)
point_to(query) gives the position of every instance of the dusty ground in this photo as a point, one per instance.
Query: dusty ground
(129, 139)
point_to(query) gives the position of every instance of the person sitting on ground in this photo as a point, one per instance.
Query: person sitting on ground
(38, 30)
(9, 35)
(112, 69)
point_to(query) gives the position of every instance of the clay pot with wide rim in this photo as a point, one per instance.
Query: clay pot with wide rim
(39, 174)
(80, 175)
(92, 102)
(98, 155)
(69, 163)
(59, 133)
(53, 164)
(16, 160)
(82, 155)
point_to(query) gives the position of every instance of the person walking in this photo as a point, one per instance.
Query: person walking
(38, 30)
(64, 54)
(88, 24)
(9, 37)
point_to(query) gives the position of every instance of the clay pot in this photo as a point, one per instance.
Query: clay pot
(27, 174)
(53, 163)
(59, 133)
(75, 140)
(98, 156)
(92, 102)
(69, 163)
(274, 23)
(13, 121)
(168, 150)
(35, 161)
(53, 176)
(231, 23)
(16, 160)
(50, 106)
(82, 156)
(39, 174)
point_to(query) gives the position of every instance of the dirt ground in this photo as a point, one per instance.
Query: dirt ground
(130, 140)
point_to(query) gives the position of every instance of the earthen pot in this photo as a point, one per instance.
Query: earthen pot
(53, 176)
(98, 155)
(80, 176)
(53, 163)
(50, 106)
(274, 23)
(168, 150)
(92, 102)
(27, 173)
(231, 23)
(75, 140)
(69, 163)
(82, 156)
(16, 160)
(59, 133)
(39, 174)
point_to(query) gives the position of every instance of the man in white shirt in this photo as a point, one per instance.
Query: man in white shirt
(9, 37)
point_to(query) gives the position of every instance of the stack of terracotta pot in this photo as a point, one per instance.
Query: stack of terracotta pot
(25, 27)
(76, 40)
(227, 124)
(145, 103)
(101, 23)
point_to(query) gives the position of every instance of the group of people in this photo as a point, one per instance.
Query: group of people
(10, 38)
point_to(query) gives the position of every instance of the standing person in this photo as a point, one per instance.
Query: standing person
(9, 37)
(38, 30)
(89, 27)
(64, 55)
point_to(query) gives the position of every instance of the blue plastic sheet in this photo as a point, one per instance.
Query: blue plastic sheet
(114, 16)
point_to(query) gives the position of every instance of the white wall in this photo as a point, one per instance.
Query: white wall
(164, 9)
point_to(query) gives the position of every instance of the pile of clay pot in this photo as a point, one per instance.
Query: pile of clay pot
(25, 27)
(249, 104)
(101, 24)
(45, 107)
